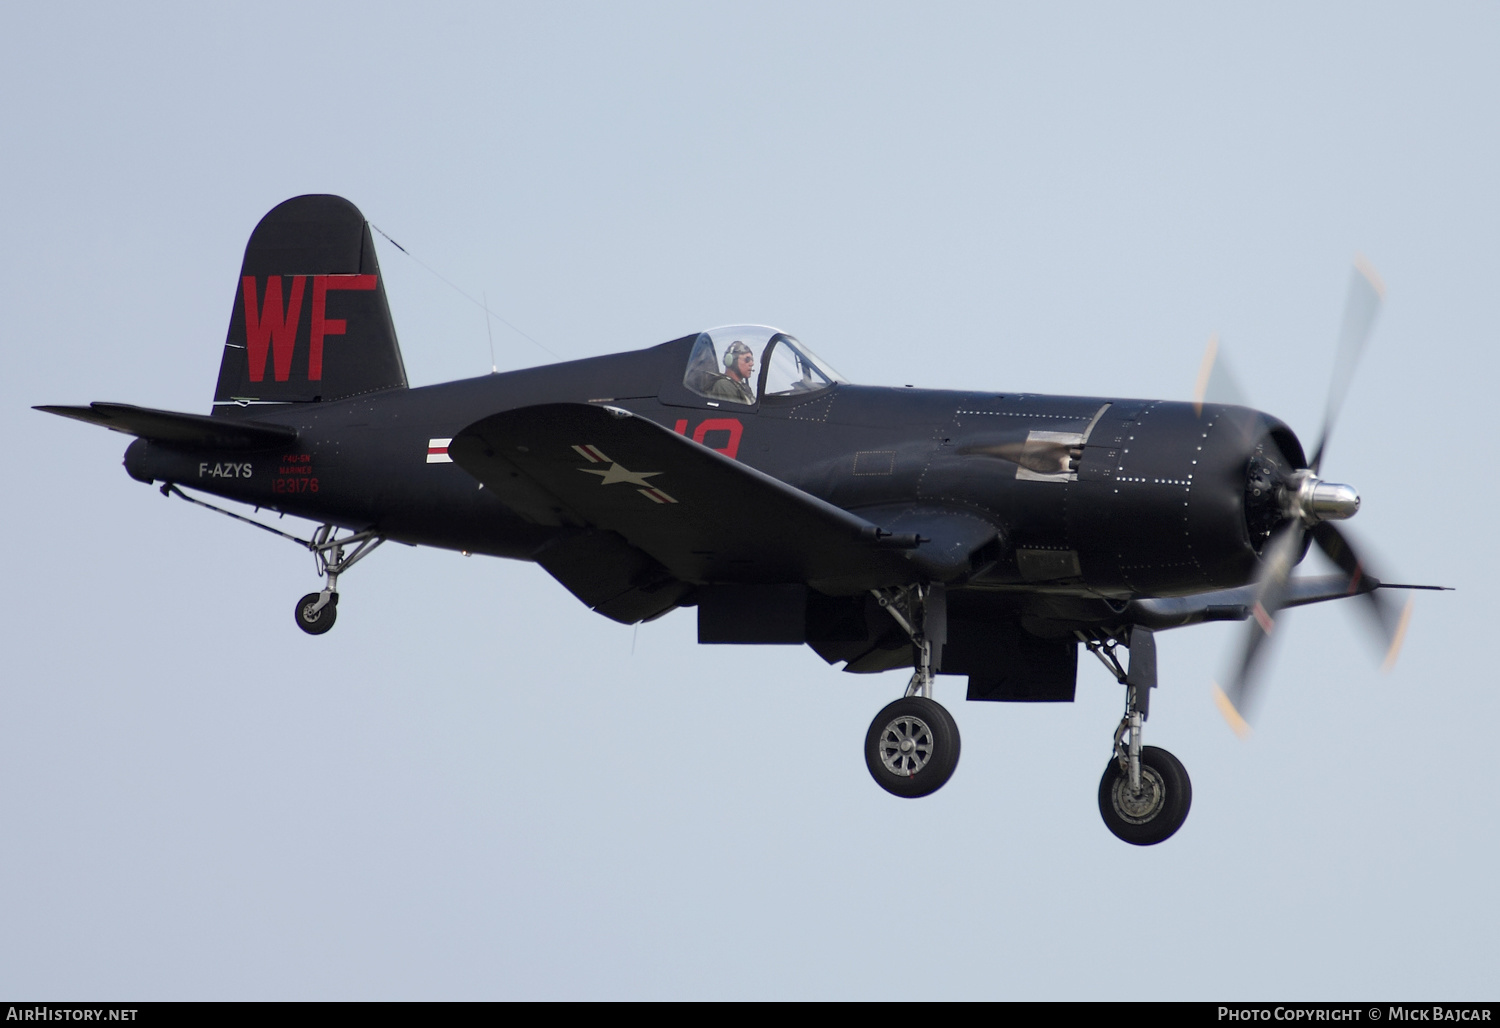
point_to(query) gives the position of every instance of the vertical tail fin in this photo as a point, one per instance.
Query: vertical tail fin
(310, 319)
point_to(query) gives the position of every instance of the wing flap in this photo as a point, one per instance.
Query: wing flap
(611, 577)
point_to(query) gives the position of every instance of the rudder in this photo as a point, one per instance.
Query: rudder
(310, 319)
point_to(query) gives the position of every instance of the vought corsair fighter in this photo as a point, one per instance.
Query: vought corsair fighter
(959, 532)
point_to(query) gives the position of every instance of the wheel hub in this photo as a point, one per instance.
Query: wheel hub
(1138, 808)
(905, 745)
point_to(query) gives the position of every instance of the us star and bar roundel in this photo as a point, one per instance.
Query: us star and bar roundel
(617, 474)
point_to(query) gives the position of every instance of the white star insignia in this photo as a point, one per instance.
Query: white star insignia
(619, 473)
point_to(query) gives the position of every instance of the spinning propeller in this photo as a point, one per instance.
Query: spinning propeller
(1301, 504)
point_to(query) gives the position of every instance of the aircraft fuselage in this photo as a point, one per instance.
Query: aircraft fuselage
(1099, 496)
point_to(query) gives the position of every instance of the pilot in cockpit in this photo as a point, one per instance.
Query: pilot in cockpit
(735, 384)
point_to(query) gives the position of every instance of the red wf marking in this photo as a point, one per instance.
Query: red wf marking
(271, 328)
(731, 446)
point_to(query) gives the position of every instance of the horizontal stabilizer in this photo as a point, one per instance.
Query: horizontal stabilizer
(174, 429)
(703, 516)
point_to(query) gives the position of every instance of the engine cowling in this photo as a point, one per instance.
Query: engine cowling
(1173, 499)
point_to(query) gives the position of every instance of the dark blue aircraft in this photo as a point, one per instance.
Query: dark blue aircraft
(958, 532)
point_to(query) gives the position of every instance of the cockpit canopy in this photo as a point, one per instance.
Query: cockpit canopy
(738, 363)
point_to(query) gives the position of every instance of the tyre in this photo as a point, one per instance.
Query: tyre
(1158, 810)
(912, 747)
(316, 622)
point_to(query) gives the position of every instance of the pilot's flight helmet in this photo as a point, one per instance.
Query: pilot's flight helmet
(733, 352)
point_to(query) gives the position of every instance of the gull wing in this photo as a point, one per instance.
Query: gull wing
(701, 515)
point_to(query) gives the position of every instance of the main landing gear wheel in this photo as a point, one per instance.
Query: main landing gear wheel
(1159, 809)
(912, 747)
(312, 620)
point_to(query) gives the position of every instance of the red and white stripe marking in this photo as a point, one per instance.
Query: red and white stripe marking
(656, 494)
(437, 451)
(593, 455)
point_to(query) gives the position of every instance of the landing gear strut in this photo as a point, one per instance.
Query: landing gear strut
(1145, 793)
(316, 612)
(912, 746)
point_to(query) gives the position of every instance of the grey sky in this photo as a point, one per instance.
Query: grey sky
(473, 787)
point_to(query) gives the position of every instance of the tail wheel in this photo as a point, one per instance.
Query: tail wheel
(1151, 815)
(912, 747)
(312, 620)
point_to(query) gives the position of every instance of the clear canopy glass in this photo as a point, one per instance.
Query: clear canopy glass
(727, 364)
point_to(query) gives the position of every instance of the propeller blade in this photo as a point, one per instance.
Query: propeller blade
(1402, 623)
(1388, 617)
(1316, 502)
(1216, 383)
(1366, 290)
(1281, 555)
